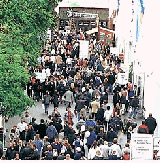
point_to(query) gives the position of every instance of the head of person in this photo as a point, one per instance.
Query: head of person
(42, 120)
(114, 152)
(68, 157)
(49, 147)
(11, 144)
(22, 120)
(150, 114)
(69, 109)
(143, 122)
(14, 127)
(34, 146)
(17, 156)
(108, 107)
(117, 105)
(56, 140)
(90, 116)
(45, 139)
(26, 114)
(37, 137)
(115, 141)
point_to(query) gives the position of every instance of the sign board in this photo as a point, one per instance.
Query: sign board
(122, 78)
(84, 49)
(142, 147)
(81, 15)
(156, 144)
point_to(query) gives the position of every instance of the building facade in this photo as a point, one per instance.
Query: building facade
(82, 21)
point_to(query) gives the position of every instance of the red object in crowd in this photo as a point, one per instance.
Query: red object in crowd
(126, 157)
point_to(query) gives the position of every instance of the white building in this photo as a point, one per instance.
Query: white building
(141, 49)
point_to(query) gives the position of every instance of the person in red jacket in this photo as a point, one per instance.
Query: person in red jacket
(143, 129)
(126, 156)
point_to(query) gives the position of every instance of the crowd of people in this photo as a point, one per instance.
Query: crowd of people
(87, 82)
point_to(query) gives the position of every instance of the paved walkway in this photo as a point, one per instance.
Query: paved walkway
(38, 113)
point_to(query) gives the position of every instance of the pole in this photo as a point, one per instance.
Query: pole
(3, 131)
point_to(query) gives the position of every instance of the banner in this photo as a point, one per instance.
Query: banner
(142, 147)
(122, 78)
(84, 49)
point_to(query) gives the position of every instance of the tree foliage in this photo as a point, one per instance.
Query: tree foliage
(22, 21)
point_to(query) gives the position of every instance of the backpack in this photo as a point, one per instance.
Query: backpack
(142, 131)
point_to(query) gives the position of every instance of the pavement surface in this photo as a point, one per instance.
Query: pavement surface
(38, 112)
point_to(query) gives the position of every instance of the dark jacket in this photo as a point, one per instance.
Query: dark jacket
(134, 102)
(35, 155)
(111, 79)
(111, 135)
(49, 156)
(61, 157)
(30, 135)
(58, 147)
(112, 157)
(123, 99)
(42, 130)
(151, 123)
(91, 123)
(77, 156)
(116, 98)
(98, 158)
(10, 153)
(91, 138)
(100, 114)
(51, 132)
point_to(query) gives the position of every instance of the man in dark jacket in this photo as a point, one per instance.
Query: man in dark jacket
(100, 114)
(42, 129)
(111, 135)
(10, 153)
(151, 123)
(90, 122)
(51, 132)
(91, 138)
(134, 105)
(35, 155)
(30, 133)
(111, 80)
(116, 98)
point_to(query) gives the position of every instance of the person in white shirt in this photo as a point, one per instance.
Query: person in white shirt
(27, 118)
(48, 72)
(69, 61)
(117, 148)
(105, 149)
(22, 126)
(107, 116)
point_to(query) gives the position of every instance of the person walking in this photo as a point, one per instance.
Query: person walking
(47, 98)
(151, 123)
(95, 105)
(22, 127)
(68, 96)
(134, 105)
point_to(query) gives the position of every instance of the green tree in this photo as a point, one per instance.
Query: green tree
(22, 21)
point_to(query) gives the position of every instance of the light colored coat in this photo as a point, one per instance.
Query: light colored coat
(95, 105)
(69, 96)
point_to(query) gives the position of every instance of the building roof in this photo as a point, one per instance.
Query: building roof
(83, 3)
